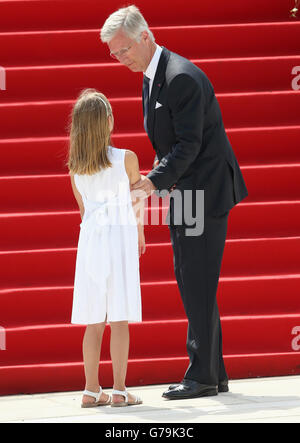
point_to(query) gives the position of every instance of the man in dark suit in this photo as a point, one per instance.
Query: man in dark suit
(184, 123)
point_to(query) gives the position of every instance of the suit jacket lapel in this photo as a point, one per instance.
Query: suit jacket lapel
(157, 84)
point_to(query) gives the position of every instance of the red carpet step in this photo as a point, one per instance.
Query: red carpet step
(252, 146)
(26, 379)
(237, 296)
(228, 75)
(60, 229)
(64, 14)
(264, 183)
(262, 256)
(60, 343)
(52, 118)
(205, 42)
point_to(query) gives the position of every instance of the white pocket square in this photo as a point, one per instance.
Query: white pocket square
(158, 105)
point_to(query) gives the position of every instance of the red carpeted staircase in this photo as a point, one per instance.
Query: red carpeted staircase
(51, 50)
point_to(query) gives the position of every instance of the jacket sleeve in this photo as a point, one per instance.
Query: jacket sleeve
(186, 102)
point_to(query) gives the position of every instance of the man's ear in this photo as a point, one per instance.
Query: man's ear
(145, 35)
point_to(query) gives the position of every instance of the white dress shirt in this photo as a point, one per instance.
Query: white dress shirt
(152, 67)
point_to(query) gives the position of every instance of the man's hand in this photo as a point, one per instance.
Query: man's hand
(156, 163)
(144, 186)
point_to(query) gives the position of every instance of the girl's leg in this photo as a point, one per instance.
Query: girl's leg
(119, 350)
(91, 355)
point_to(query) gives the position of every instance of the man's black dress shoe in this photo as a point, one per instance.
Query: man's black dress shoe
(222, 387)
(190, 389)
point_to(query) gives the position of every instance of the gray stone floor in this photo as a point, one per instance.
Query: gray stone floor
(271, 400)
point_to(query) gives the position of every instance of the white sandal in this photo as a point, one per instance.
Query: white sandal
(138, 400)
(97, 397)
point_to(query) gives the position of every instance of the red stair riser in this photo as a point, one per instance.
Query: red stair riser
(48, 154)
(18, 15)
(69, 377)
(57, 267)
(239, 296)
(65, 82)
(268, 183)
(84, 46)
(61, 229)
(60, 343)
(52, 118)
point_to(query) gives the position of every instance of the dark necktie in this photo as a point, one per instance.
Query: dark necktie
(146, 100)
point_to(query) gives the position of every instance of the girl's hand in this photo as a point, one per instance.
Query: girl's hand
(142, 242)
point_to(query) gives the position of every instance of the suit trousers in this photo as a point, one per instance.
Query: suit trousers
(197, 264)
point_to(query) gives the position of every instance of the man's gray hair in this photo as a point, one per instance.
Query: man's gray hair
(130, 20)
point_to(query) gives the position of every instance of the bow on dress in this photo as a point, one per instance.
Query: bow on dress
(97, 221)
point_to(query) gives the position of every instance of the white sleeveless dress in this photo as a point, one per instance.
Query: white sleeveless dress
(107, 275)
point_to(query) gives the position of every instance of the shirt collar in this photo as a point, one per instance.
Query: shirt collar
(151, 70)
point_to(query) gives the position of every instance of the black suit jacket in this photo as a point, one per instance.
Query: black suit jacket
(189, 138)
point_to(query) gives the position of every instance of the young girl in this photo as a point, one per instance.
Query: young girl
(111, 240)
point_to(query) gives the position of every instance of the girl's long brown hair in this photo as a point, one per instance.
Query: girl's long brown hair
(90, 134)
